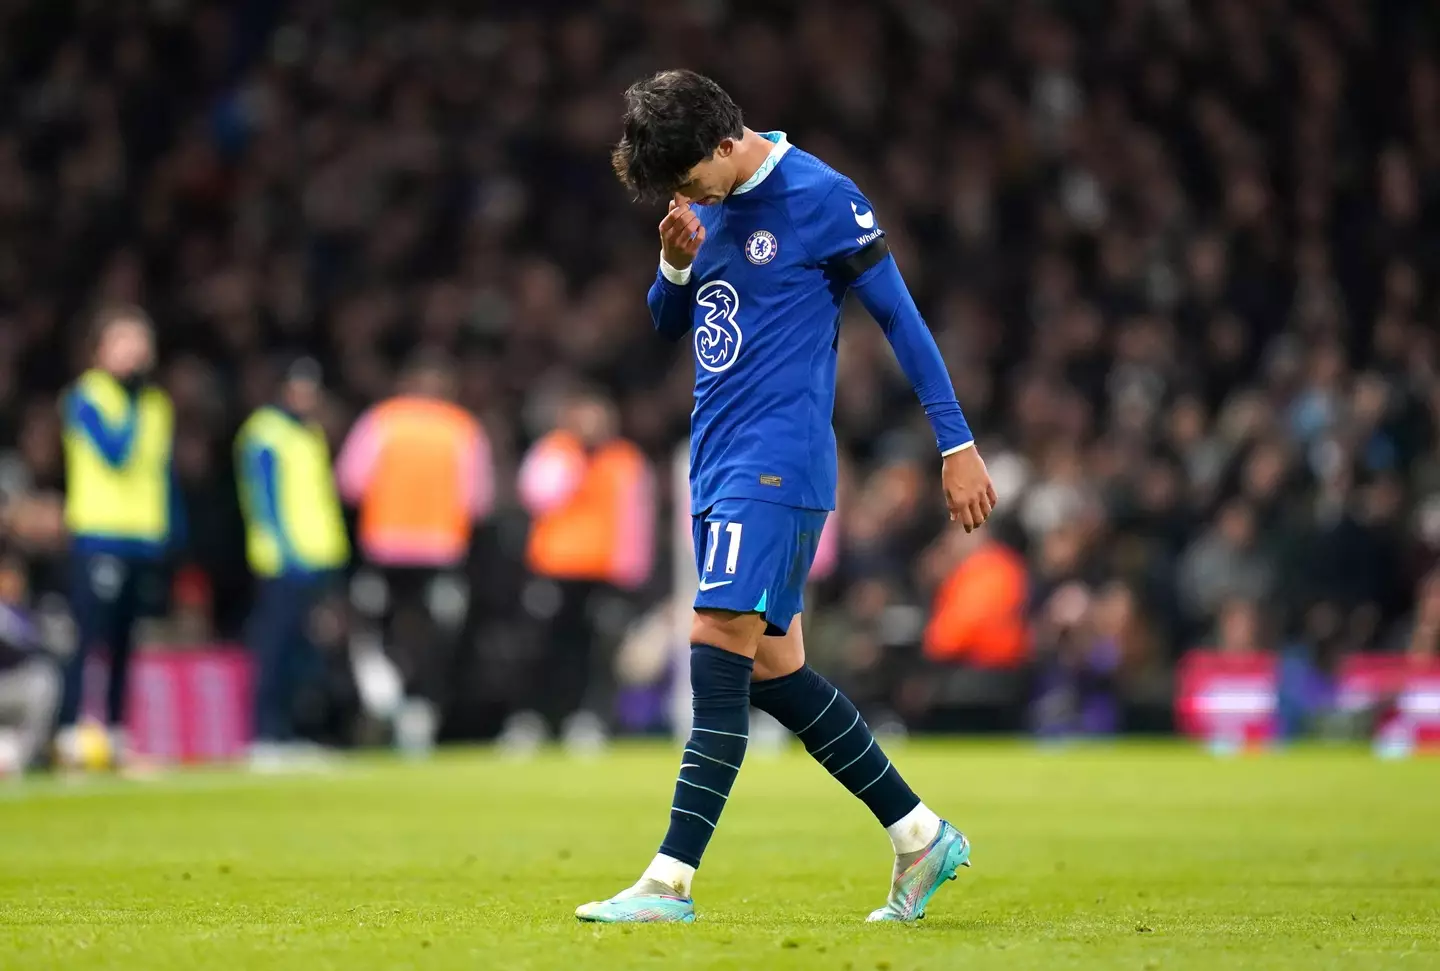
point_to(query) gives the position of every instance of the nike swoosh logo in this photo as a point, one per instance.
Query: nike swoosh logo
(866, 219)
(712, 586)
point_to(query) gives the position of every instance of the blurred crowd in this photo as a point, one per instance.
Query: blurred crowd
(1180, 255)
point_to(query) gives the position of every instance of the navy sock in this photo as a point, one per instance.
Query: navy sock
(720, 682)
(833, 732)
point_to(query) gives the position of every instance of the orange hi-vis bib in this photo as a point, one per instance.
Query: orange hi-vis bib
(594, 534)
(414, 507)
(978, 617)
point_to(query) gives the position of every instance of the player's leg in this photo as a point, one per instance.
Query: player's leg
(121, 640)
(832, 731)
(740, 551)
(722, 649)
(94, 591)
(928, 850)
(265, 635)
(87, 617)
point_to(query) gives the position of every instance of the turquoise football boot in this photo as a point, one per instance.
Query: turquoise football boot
(913, 888)
(644, 903)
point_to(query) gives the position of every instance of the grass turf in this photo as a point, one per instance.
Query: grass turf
(1145, 858)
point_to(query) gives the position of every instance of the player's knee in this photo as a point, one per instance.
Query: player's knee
(730, 631)
(779, 656)
(776, 667)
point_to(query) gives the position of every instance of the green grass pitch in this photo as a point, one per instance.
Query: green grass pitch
(1152, 858)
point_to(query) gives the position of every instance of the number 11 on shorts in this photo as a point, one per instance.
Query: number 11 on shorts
(732, 554)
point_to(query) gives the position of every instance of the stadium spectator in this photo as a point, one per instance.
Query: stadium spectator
(1090, 657)
(1241, 629)
(1419, 634)
(1225, 562)
(29, 676)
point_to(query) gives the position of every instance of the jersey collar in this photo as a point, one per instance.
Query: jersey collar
(782, 145)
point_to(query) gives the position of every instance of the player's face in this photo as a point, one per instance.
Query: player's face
(303, 397)
(126, 348)
(592, 420)
(710, 181)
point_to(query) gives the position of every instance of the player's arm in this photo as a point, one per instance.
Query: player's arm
(258, 465)
(969, 493)
(671, 298)
(113, 444)
(854, 249)
(670, 303)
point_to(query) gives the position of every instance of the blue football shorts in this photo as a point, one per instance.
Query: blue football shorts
(754, 557)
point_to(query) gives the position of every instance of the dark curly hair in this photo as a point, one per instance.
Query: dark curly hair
(673, 121)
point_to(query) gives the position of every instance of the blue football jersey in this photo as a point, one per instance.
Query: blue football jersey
(765, 327)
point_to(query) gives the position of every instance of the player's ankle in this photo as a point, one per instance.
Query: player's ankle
(670, 873)
(914, 831)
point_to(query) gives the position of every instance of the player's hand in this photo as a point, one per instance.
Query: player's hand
(680, 234)
(969, 493)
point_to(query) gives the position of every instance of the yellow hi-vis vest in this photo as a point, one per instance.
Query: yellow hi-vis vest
(305, 529)
(132, 500)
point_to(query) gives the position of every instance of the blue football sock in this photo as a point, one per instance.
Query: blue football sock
(720, 682)
(833, 732)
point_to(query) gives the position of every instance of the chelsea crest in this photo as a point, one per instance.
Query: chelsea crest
(761, 247)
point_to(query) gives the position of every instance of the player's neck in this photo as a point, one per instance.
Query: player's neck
(751, 153)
